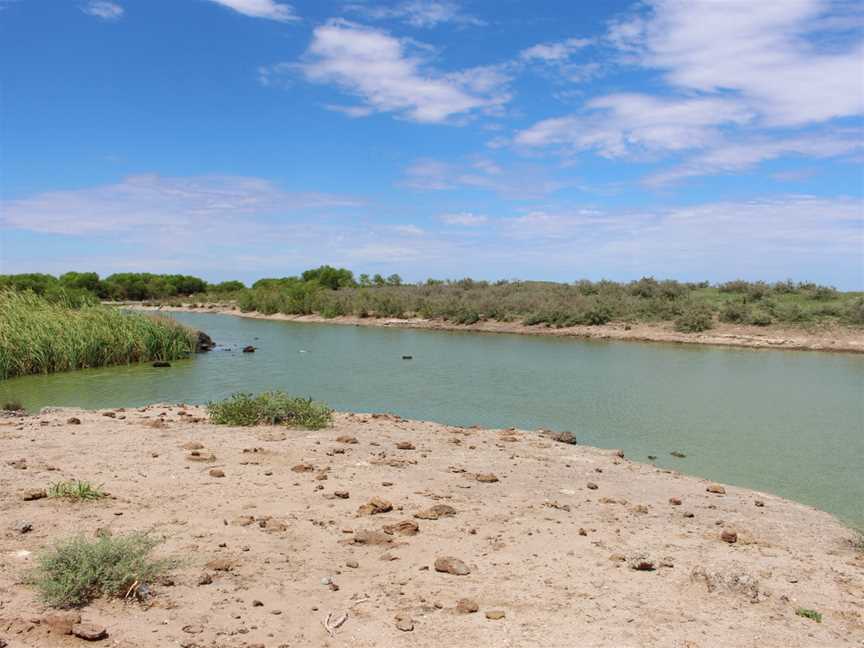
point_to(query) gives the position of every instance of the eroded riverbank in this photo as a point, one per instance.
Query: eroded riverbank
(560, 541)
(835, 339)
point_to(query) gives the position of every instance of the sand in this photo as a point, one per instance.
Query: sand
(835, 338)
(552, 543)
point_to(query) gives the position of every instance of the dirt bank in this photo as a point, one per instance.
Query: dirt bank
(565, 546)
(837, 339)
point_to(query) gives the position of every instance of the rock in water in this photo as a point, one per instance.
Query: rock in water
(249, 349)
(203, 343)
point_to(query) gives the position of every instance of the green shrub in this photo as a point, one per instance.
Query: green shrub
(735, 312)
(695, 318)
(77, 570)
(809, 614)
(854, 312)
(760, 318)
(270, 408)
(75, 490)
(12, 406)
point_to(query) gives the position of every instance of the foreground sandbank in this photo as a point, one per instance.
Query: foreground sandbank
(270, 549)
(836, 339)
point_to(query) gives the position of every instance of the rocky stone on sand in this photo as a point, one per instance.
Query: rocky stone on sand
(346, 438)
(405, 528)
(375, 506)
(370, 537)
(435, 512)
(220, 564)
(467, 606)
(451, 565)
(89, 631)
(109, 414)
(23, 526)
(731, 578)
(34, 494)
(342, 494)
(675, 501)
(728, 535)
(560, 437)
(205, 579)
(61, 622)
(495, 615)
(216, 472)
(353, 564)
(405, 445)
(642, 563)
(198, 455)
(486, 478)
(404, 623)
(591, 486)
(716, 489)
(193, 445)
(759, 503)
(303, 467)
(73, 420)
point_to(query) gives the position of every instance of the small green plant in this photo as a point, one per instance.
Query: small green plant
(12, 406)
(270, 408)
(809, 614)
(75, 490)
(77, 570)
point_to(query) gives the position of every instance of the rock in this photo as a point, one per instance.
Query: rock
(204, 343)
(346, 438)
(405, 528)
(560, 437)
(591, 486)
(353, 564)
(257, 603)
(205, 579)
(486, 478)
(220, 564)
(197, 455)
(728, 535)
(450, 565)
(759, 503)
(243, 520)
(23, 526)
(61, 622)
(435, 512)
(375, 506)
(641, 563)
(159, 364)
(249, 349)
(495, 615)
(407, 357)
(677, 454)
(405, 624)
(716, 488)
(216, 472)
(303, 467)
(675, 501)
(342, 494)
(405, 445)
(193, 628)
(109, 414)
(89, 631)
(467, 606)
(192, 445)
(73, 420)
(369, 537)
(34, 494)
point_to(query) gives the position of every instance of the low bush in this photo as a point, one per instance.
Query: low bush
(78, 570)
(270, 408)
(809, 614)
(695, 318)
(75, 490)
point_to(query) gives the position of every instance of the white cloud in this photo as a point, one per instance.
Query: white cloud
(747, 153)
(465, 219)
(377, 68)
(417, 13)
(558, 51)
(103, 9)
(785, 60)
(159, 205)
(627, 124)
(268, 9)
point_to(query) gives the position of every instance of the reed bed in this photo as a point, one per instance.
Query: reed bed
(40, 336)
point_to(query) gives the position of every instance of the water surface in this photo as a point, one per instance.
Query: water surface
(790, 423)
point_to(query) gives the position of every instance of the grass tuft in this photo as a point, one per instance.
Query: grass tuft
(809, 614)
(270, 408)
(78, 570)
(41, 336)
(76, 490)
(12, 406)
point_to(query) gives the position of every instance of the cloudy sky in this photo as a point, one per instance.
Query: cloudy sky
(692, 139)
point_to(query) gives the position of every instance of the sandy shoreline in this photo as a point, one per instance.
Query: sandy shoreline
(842, 340)
(551, 545)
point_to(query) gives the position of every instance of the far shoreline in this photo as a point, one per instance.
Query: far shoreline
(834, 340)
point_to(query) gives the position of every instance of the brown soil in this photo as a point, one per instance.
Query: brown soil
(564, 545)
(837, 339)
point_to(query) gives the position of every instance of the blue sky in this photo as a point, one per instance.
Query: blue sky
(691, 139)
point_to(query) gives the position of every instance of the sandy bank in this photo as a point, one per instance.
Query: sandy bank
(836, 339)
(551, 544)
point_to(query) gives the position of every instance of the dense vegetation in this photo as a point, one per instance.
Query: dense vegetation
(332, 292)
(270, 408)
(38, 335)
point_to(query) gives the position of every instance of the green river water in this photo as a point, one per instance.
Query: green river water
(790, 423)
